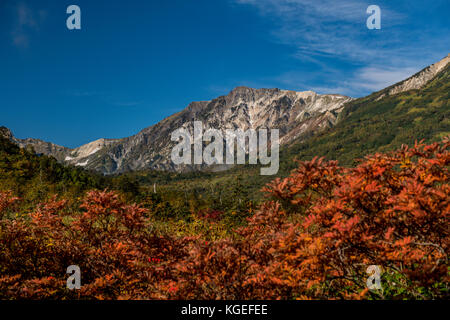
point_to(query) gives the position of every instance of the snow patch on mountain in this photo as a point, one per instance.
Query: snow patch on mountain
(82, 164)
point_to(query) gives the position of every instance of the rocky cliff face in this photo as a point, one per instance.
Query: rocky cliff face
(293, 113)
(80, 155)
(418, 80)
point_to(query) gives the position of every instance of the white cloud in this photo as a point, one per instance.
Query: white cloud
(358, 83)
(27, 21)
(368, 79)
(374, 79)
(25, 16)
(328, 27)
(337, 30)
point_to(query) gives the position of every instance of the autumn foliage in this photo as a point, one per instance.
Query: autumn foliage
(314, 237)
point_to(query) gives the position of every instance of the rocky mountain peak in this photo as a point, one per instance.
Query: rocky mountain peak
(6, 133)
(420, 79)
(293, 113)
(245, 94)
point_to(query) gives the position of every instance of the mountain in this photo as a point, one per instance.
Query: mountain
(418, 80)
(414, 109)
(295, 114)
(380, 122)
(62, 154)
(35, 177)
(298, 115)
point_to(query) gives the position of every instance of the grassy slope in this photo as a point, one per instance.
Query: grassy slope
(369, 126)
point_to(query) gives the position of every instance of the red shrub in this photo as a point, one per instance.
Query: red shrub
(210, 214)
(391, 210)
(6, 200)
(314, 239)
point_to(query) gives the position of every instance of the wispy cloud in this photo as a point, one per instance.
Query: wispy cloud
(325, 28)
(80, 93)
(373, 78)
(358, 83)
(26, 22)
(330, 29)
(127, 104)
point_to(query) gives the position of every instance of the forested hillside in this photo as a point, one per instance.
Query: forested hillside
(35, 177)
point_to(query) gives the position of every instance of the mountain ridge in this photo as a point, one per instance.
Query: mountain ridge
(246, 108)
(297, 115)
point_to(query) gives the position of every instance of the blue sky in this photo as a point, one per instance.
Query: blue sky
(136, 62)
